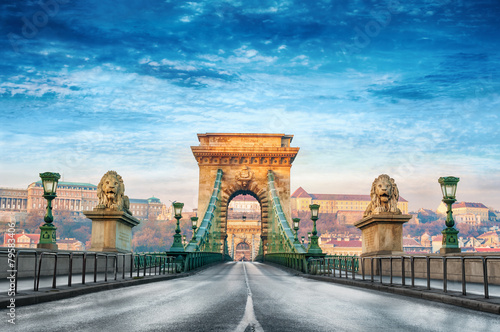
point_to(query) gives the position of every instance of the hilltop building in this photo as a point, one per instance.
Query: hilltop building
(74, 197)
(467, 212)
(334, 203)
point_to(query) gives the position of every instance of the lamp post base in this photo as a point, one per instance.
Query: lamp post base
(450, 241)
(47, 237)
(177, 245)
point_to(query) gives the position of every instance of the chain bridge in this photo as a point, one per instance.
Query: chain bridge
(196, 286)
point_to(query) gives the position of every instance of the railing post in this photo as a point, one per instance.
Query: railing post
(464, 290)
(84, 267)
(363, 267)
(403, 272)
(116, 265)
(371, 264)
(352, 268)
(55, 271)
(70, 272)
(428, 262)
(390, 261)
(485, 277)
(131, 264)
(106, 270)
(39, 271)
(380, 268)
(445, 274)
(412, 266)
(95, 268)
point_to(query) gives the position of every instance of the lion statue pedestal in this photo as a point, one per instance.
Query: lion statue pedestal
(382, 225)
(112, 221)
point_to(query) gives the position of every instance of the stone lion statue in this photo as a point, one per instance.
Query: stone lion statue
(110, 192)
(384, 196)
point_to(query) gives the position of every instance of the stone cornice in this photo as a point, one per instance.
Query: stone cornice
(283, 156)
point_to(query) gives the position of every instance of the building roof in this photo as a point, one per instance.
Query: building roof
(73, 184)
(300, 192)
(342, 243)
(487, 249)
(344, 197)
(33, 237)
(409, 242)
(68, 241)
(138, 201)
(153, 200)
(469, 204)
(437, 238)
(241, 198)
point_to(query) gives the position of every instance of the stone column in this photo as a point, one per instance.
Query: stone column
(382, 234)
(111, 230)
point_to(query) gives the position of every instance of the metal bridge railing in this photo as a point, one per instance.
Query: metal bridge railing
(403, 267)
(333, 265)
(40, 261)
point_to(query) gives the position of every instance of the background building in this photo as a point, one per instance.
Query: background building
(71, 196)
(470, 213)
(74, 197)
(333, 203)
(22, 240)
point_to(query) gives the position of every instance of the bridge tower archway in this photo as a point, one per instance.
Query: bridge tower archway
(245, 160)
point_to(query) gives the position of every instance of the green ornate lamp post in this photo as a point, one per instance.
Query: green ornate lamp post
(177, 245)
(48, 230)
(296, 229)
(194, 222)
(450, 233)
(313, 246)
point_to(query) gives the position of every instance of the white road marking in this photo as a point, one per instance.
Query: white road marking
(249, 316)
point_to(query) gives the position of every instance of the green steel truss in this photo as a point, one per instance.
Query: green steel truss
(280, 236)
(208, 234)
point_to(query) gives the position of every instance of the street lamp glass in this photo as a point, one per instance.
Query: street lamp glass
(194, 221)
(309, 234)
(449, 186)
(296, 222)
(244, 218)
(49, 182)
(314, 210)
(178, 208)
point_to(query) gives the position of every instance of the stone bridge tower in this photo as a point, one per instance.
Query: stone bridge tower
(245, 160)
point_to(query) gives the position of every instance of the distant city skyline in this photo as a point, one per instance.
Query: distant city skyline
(406, 88)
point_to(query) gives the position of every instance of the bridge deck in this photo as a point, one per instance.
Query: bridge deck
(234, 296)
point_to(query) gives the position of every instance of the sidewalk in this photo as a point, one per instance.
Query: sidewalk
(27, 296)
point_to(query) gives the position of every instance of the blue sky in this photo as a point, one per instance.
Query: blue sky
(407, 88)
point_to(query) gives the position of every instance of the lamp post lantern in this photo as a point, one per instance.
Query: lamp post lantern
(244, 218)
(303, 239)
(450, 233)
(177, 245)
(314, 247)
(48, 230)
(296, 229)
(194, 222)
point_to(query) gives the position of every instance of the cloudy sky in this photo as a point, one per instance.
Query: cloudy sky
(407, 88)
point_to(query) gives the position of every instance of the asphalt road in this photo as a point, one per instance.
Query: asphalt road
(246, 297)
